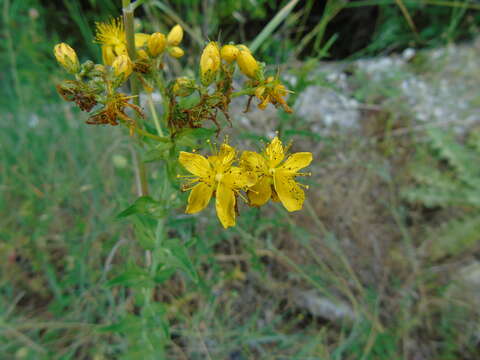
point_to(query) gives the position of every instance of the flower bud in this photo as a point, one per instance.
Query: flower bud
(122, 66)
(67, 57)
(156, 44)
(175, 35)
(176, 52)
(209, 63)
(247, 64)
(141, 39)
(142, 54)
(242, 47)
(183, 86)
(229, 53)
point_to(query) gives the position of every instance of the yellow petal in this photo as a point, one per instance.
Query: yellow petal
(290, 194)
(238, 178)
(227, 155)
(141, 39)
(259, 194)
(297, 161)
(195, 163)
(120, 49)
(275, 152)
(225, 205)
(199, 198)
(253, 161)
(108, 55)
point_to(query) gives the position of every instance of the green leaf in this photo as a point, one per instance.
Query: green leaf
(164, 274)
(188, 102)
(454, 237)
(159, 152)
(134, 276)
(174, 254)
(191, 137)
(143, 205)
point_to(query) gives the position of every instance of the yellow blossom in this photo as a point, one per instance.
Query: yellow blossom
(229, 53)
(215, 176)
(156, 44)
(209, 63)
(113, 39)
(176, 52)
(276, 177)
(122, 66)
(67, 57)
(247, 64)
(175, 35)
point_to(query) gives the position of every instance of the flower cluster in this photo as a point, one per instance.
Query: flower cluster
(188, 102)
(111, 35)
(262, 176)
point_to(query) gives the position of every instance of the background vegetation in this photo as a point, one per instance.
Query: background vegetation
(380, 264)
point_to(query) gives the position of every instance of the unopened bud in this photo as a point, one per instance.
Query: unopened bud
(156, 44)
(209, 63)
(175, 35)
(229, 53)
(183, 86)
(242, 47)
(142, 54)
(122, 66)
(176, 52)
(67, 57)
(247, 64)
(141, 39)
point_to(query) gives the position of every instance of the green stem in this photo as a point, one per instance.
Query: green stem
(249, 91)
(160, 82)
(154, 114)
(152, 136)
(135, 89)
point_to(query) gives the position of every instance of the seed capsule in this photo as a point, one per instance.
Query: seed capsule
(183, 86)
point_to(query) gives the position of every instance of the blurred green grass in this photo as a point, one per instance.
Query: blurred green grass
(63, 182)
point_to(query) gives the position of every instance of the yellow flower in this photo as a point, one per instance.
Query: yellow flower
(176, 52)
(156, 44)
(113, 39)
(247, 64)
(67, 57)
(215, 176)
(209, 63)
(122, 66)
(276, 177)
(229, 53)
(175, 35)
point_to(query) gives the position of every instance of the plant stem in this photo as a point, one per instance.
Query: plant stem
(135, 89)
(154, 114)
